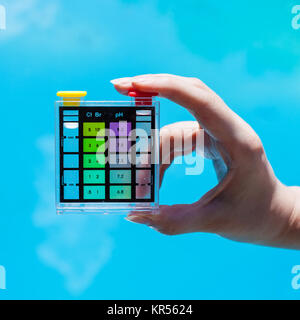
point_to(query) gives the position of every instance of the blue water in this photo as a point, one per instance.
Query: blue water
(247, 51)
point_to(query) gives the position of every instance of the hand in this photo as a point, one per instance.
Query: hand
(249, 204)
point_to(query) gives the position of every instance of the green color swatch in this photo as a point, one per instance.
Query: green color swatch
(120, 192)
(94, 192)
(94, 160)
(94, 145)
(93, 176)
(94, 129)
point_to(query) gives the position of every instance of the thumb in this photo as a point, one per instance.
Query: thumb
(171, 220)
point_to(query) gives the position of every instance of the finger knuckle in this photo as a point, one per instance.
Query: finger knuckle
(197, 81)
(252, 146)
(167, 226)
(168, 230)
(169, 86)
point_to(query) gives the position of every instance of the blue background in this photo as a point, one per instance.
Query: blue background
(245, 50)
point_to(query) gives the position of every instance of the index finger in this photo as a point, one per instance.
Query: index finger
(207, 107)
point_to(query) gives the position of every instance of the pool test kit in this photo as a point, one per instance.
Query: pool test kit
(107, 154)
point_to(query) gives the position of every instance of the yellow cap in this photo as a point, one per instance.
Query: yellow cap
(71, 94)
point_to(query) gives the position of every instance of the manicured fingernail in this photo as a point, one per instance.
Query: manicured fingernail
(140, 219)
(142, 81)
(120, 81)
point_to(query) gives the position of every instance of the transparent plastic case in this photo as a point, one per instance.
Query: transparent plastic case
(107, 155)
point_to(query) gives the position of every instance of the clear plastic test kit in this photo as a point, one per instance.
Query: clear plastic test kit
(107, 154)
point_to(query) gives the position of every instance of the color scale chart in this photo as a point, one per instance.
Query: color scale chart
(106, 154)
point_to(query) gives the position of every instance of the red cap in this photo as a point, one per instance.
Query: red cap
(141, 102)
(138, 94)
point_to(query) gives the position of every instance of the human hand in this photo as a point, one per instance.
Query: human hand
(249, 204)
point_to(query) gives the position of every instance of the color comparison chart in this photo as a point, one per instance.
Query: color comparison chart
(106, 154)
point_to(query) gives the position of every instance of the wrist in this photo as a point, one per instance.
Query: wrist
(289, 214)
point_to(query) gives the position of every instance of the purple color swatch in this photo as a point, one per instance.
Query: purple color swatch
(121, 128)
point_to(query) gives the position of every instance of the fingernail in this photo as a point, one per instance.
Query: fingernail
(120, 81)
(115, 81)
(139, 219)
(142, 81)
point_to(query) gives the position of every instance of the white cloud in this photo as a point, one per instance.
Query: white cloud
(46, 24)
(77, 246)
(149, 38)
(24, 15)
